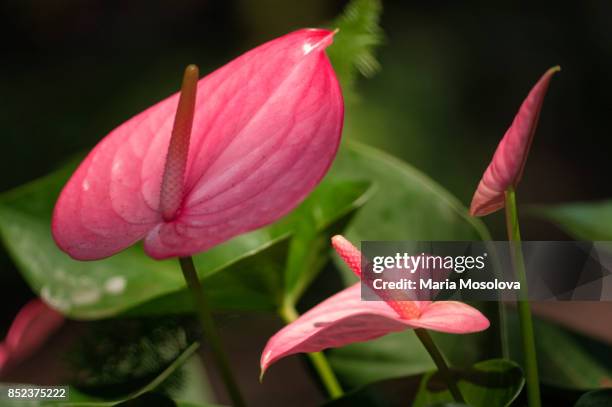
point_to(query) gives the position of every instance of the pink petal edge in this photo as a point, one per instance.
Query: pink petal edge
(507, 165)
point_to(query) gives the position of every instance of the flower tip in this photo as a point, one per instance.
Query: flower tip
(342, 245)
(337, 239)
(554, 69)
(192, 70)
(349, 253)
(479, 208)
(319, 41)
(261, 375)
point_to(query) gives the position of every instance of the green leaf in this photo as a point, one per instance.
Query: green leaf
(310, 246)
(405, 205)
(253, 282)
(113, 358)
(395, 355)
(448, 404)
(565, 359)
(100, 289)
(495, 382)
(597, 398)
(77, 398)
(402, 354)
(148, 399)
(158, 400)
(582, 220)
(353, 48)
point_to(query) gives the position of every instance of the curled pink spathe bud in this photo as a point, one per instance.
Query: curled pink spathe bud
(29, 331)
(506, 168)
(260, 135)
(344, 318)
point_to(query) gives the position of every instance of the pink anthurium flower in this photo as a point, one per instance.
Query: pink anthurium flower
(31, 328)
(344, 318)
(506, 168)
(261, 134)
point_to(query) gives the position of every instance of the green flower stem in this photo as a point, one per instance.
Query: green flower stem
(438, 359)
(524, 311)
(318, 359)
(210, 332)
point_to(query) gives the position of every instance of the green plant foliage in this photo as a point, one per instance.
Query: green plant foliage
(495, 382)
(310, 247)
(79, 399)
(582, 220)
(158, 400)
(406, 204)
(402, 354)
(98, 289)
(597, 398)
(354, 45)
(113, 358)
(565, 359)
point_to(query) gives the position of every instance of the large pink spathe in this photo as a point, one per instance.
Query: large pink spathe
(344, 318)
(266, 128)
(506, 168)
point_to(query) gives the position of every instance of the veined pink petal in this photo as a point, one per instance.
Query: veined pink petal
(30, 329)
(266, 128)
(344, 318)
(337, 321)
(506, 168)
(451, 317)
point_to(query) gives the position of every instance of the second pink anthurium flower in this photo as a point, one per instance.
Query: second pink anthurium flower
(345, 318)
(266, 128)
(507, 165)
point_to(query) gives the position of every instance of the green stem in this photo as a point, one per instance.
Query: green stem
(318, 359)
(524, 311)
(438, 359)
(210, 332)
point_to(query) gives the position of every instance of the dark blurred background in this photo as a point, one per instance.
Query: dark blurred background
(453, 76)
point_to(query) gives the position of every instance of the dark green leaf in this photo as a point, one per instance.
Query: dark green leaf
(148, 399)
(582, 220)
(402, 354)
(448, 404)
(78, 399)
(565, 359)
(405, 205)
(113, 358)
(494, 382)
(597, 398)
(310, 246)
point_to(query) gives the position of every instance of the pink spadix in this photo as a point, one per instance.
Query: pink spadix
(344, 318)
(264, 130)
(506, 167)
